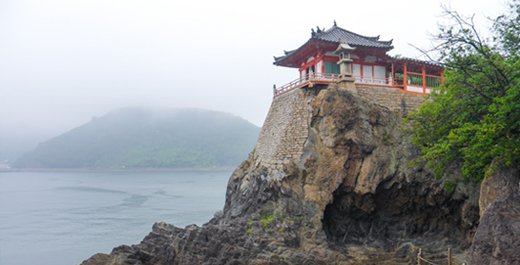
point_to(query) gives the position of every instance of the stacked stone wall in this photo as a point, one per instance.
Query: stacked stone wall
(284, 132)
(393, 98)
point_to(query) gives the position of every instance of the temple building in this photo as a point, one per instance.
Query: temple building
(364, 60)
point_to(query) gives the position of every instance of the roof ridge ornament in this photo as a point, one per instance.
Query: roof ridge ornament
(335, 25)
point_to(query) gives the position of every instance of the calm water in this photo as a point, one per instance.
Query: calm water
(60, 218)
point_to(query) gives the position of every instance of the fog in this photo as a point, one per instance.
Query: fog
(63, 62)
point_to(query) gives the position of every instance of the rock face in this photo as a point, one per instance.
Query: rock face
(500, 185)
(345, 195)
(497, 240)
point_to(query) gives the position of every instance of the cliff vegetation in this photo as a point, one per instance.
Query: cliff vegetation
(472, 123)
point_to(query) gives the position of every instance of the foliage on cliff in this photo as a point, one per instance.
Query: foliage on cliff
(475, 118)
(143, 138)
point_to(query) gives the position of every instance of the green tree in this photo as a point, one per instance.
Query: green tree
(473, 122)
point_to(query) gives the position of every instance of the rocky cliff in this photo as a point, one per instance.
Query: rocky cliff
(329, 182)
(497, 240)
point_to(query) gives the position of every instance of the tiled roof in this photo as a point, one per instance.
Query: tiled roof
(432, 63)
(333, 35)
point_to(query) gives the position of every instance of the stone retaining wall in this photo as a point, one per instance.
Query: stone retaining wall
(390, 97)
(284, 132)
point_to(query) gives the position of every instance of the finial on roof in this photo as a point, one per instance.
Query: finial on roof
(335, 23)
(318, 30)
(313, 33)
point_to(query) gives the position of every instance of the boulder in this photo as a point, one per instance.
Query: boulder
(497, 240)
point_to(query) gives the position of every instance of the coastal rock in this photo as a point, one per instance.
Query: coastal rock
(345, 195)
(497, 240)
(98, 259)
(502, 183)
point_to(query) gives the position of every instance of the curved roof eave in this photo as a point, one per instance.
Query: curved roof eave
(431, 63)
(355, 40)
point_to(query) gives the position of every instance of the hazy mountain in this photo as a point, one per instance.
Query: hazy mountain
(143, 138)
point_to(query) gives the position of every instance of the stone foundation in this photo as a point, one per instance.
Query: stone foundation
(284, 132)
(393, 98)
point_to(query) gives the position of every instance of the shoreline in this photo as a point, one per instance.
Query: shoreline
(115, 169)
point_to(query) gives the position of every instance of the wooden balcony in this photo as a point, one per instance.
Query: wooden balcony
(317, 79)
(419, 83)
(307, 80)
(370, 80)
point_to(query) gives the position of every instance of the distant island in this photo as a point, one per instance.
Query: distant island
(136, 138)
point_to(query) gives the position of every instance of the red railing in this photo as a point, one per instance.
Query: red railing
(372, 80)
(418, 83)
(328, 78)
(305, 80)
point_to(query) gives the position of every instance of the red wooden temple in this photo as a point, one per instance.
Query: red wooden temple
(371, 65)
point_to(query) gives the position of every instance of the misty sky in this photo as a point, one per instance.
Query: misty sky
(64, 61)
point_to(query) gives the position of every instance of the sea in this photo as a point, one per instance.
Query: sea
(63, 218)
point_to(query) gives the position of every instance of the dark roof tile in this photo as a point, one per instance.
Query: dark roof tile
(334, 34)
(432, 63)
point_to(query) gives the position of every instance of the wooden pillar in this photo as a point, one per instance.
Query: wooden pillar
(361, 71)
(442, 78)
(393, 76)
(405, 78)
(424, 80)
